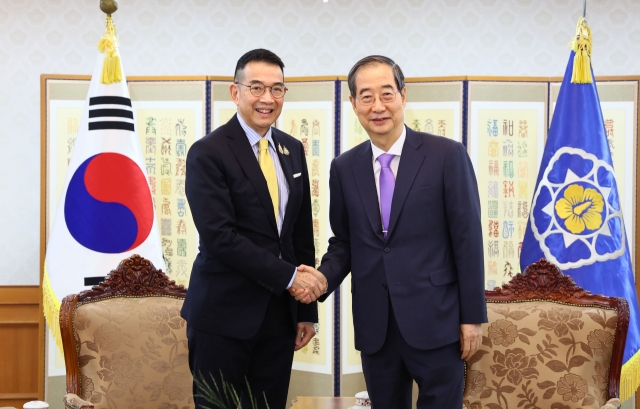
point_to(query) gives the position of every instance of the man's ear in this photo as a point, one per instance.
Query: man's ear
(403, 93)
(353, 102)
(234, 90)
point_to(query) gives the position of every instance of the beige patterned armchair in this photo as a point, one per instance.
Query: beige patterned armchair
(125, 344)
(548, 345)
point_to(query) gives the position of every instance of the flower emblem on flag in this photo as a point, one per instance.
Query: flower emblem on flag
(580, 208)
(576, 209)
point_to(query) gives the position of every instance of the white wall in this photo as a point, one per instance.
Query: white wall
(206, 37)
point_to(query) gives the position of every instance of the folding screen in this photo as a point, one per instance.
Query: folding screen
(502, 121)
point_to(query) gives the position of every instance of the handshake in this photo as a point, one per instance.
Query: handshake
(309, 284)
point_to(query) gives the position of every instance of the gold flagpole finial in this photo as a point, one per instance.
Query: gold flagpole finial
(581, 44)
(109, 6)
(108, 45)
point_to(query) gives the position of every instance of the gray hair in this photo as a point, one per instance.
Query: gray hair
(372, 60)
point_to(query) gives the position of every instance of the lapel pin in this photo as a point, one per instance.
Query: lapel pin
(286, 151)
(280, 149)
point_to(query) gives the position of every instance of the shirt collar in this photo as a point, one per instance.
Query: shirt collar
(396, 148)
(253, 136)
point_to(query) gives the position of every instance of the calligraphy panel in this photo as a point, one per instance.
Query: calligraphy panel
(64, 116)
(507, 130)
(222, 106)
(437, 118)
(506, 149)
(312, 124)
(435, 108)
(167, 130)
(170, 117)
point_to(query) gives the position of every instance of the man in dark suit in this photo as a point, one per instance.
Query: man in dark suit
(248, 189)
(405, 214)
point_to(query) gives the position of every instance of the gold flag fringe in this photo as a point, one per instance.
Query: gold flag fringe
(630, 377)
(51, 307)
(581, 44)
(108, 45)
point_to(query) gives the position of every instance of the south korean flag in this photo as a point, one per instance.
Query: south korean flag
(105, 212)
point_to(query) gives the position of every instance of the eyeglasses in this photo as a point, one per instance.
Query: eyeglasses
(385, 98)
(257, 89)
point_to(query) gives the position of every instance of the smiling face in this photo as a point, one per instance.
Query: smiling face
(258, 112)
(383, 121)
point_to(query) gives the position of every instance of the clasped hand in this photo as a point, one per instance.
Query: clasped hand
(308, 285)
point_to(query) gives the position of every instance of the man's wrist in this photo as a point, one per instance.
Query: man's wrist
(315, 325)
(295, 271)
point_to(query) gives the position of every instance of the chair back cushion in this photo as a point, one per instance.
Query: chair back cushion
(132, 352)
(543, 354)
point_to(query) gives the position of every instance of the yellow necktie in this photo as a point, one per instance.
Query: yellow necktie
(269, 171)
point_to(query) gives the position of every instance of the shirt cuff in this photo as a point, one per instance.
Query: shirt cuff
(293, 278)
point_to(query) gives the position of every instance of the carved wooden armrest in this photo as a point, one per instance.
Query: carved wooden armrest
(612, 404)
(73, 401)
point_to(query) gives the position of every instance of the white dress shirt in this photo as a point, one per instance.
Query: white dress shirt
(396, 150)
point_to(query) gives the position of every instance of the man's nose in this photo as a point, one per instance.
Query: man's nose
(378, 105)
(267, 97)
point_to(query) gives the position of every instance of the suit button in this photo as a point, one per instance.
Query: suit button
(387, 249)
(385, 286)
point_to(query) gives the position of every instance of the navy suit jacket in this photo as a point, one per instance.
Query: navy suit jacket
(430, 264)
(238, 267)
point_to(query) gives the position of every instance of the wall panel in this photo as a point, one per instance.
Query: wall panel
(21, 346)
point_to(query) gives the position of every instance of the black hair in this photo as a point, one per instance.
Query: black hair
(257, 55)
(372, 60)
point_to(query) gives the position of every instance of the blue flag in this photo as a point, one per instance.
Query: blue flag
(576, 215)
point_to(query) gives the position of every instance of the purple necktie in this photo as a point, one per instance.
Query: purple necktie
(387, 184)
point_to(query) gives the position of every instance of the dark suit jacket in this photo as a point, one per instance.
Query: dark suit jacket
(238, 268)
(431, 263)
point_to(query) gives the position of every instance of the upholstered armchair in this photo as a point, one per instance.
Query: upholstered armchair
(548, 345)
(125, 344)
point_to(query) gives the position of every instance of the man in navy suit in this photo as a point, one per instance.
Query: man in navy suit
(248, 189)
(405, 214)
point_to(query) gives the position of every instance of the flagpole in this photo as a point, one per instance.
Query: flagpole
(584, 9)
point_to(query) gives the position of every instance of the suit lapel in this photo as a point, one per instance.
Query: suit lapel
(286, 169)
(363, 174)
(239, 144)
(410, 163)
